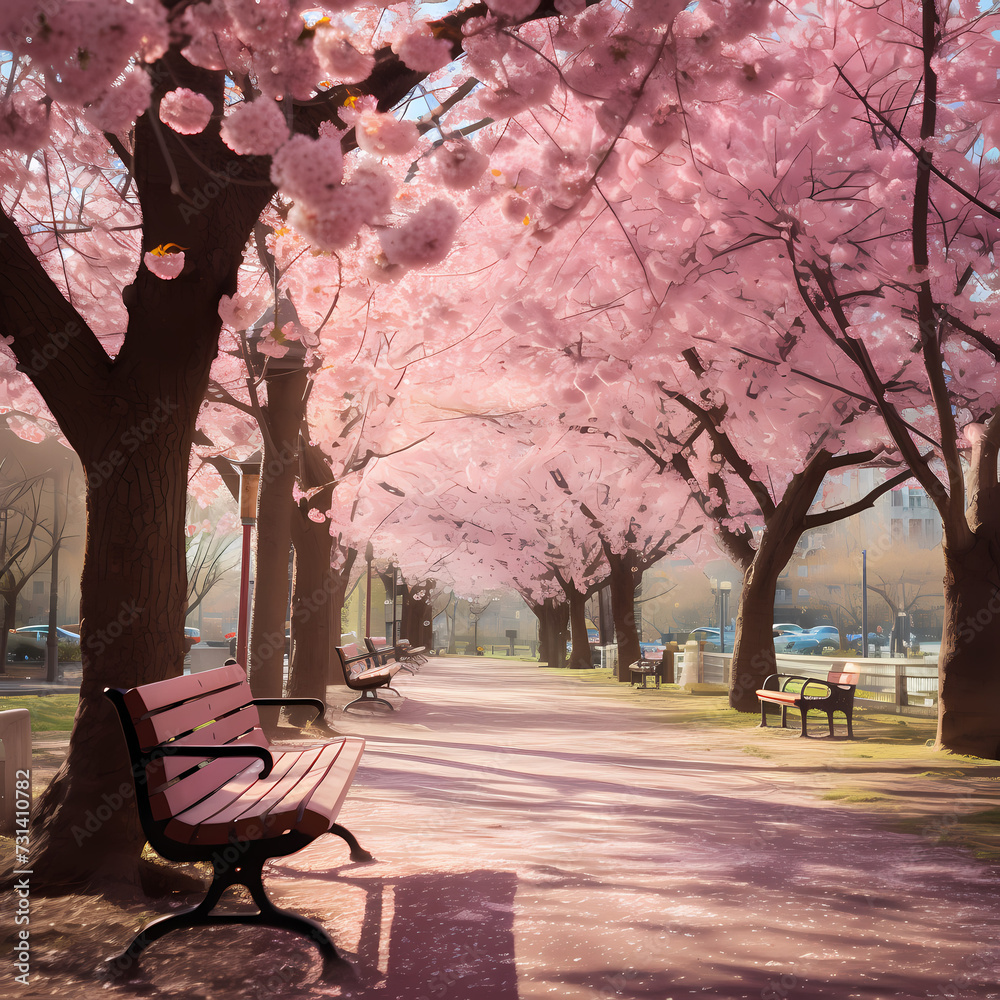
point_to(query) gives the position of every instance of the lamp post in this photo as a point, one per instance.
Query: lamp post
(725, 586)
(476, 611)
(249, 470)
(721, 589)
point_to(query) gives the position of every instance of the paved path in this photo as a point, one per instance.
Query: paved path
(539, 835)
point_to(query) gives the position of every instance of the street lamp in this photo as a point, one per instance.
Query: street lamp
(476, 611)
(249, 470)
(722, 588)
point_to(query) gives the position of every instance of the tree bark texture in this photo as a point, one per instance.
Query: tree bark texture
(968, 679)
(417, 611)
(553, 625)
(579, 657)
(282, 418)
(626, 575)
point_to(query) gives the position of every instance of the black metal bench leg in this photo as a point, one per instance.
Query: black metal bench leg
(358, 853)
(367, 696)
(804, 712)
(271, 916)
(127, 963)
(763, 715)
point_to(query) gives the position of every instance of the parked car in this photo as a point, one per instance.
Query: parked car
(786, 628)
(41, 633)
(811, 641)
(191, 636)
(710, 636)
(24, 647)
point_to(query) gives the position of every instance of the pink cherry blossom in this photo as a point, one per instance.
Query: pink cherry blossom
(166, 266)
(185, 111)
(424, 238)
(255, 128)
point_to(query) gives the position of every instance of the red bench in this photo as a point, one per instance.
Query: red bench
(835, 694)
(363, 672)
(407, 656)
(210, 787)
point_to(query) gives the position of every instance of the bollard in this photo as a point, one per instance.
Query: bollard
(15, 735)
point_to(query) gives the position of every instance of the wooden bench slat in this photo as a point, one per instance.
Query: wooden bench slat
(176, 721)
(327, 797)
(303, 793)
(246, 786)
(161, 694)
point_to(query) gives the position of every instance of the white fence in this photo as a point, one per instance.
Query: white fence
(895, 686)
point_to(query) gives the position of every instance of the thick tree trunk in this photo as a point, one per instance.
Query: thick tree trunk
(579, 657)
(626, 576)
(753, 654)
(132, 614)
(418, 614)
(968, 680)
(553, 622)
(282, 416)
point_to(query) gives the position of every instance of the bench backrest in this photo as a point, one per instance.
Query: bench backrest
(844, 676)
(210, 708)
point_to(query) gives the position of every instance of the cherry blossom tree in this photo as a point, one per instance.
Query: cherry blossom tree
(178, 123)
(851, 215)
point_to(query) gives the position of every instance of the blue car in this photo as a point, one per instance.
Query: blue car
(811, 642)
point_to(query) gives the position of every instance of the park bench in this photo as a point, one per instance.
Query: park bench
(807, 694)
(211, 787)
(363, 672)
(407, 656)
(660, 668)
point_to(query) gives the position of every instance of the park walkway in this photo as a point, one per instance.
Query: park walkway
(540, 834)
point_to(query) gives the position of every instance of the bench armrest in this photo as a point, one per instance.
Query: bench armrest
(315, 702)
(215, 750)
(772, 683)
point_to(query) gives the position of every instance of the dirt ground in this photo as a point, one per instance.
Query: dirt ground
(543, 833)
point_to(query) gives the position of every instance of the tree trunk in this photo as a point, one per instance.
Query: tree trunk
(753, 654)
(418, 614)
(553, 622)
(132, 617)
(317, 600)
(282, 417)
(968, 681)
(626, 575)
(579, 657)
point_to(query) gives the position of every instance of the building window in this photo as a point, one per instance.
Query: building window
(803, 594)
(803, 571)
(39, 586)
(897, 498)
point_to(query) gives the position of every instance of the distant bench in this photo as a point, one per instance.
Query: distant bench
(210, 787)
(407, 656)
(808, 694)
(364, 672)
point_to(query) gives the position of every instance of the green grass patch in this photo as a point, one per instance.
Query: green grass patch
(978, 832)
(854, 795)
(49, 713)
(756, 752)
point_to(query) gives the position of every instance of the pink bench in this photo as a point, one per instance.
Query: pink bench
(210, 787)
(407, 656)
(835, 694)
(365, 673)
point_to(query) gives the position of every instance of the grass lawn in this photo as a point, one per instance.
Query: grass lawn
(49, 712)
